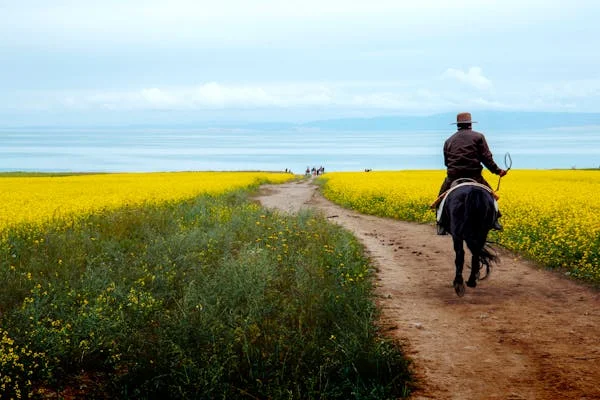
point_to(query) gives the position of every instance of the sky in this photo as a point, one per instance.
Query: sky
(117, 61)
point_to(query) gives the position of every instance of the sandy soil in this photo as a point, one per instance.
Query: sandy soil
(525, 333)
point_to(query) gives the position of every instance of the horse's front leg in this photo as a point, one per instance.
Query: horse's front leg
(459, 285)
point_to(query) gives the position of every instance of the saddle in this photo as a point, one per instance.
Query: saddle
(438, 204)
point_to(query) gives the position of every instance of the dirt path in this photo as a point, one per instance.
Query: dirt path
(525, 333)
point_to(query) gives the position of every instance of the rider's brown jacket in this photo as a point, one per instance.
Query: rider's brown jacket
(465, 151)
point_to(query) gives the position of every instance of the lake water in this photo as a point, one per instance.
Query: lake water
(140, 150)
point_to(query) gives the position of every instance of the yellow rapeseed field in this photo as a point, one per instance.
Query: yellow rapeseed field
(549, 215)
(36, 199)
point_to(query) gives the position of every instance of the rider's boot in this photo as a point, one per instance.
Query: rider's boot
(497, 226)
(440, 230)
(440, 227)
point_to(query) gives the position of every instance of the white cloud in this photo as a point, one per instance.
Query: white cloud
(158, 97)
(349, 97)
(572, 89)
(210, 95)
(379, 100)
(472, 77)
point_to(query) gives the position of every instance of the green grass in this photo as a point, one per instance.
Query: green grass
(214, 298)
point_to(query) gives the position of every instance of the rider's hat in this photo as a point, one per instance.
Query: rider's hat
(463, 118)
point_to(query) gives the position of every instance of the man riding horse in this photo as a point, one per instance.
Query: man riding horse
(464, 152)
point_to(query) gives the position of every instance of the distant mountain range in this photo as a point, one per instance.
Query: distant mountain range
(495, 120)
(488, 120)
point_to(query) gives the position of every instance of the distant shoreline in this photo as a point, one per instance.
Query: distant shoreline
(25, 174)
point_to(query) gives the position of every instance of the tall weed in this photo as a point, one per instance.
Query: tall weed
(209, 298)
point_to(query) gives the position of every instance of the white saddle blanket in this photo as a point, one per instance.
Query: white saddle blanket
(443, 202)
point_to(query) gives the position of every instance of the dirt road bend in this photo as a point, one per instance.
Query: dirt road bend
(524, 333)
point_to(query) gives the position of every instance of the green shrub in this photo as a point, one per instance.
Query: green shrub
(210, 298)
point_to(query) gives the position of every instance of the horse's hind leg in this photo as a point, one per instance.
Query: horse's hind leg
(459, 285)
(472, 282)
(475, 257)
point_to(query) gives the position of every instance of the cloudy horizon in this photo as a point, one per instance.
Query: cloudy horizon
(268, 60)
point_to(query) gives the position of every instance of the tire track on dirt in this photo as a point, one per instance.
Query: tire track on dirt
(525, 333)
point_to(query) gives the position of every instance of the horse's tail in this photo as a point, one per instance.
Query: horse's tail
(476, 211)
(486, 256)
(479, 217)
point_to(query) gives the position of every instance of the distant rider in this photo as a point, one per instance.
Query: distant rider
(464, 152)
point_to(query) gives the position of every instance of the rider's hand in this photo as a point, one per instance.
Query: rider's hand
(502, 173)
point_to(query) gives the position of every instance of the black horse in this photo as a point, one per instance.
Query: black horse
(468, 215)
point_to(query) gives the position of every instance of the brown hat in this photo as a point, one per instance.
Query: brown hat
(463, 118)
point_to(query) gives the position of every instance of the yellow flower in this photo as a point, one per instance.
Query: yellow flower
(40, 199)
(551, 216)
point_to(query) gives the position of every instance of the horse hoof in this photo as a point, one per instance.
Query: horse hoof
(472, 283)
(459, 288)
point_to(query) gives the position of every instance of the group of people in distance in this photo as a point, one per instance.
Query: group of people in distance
(315, 171)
